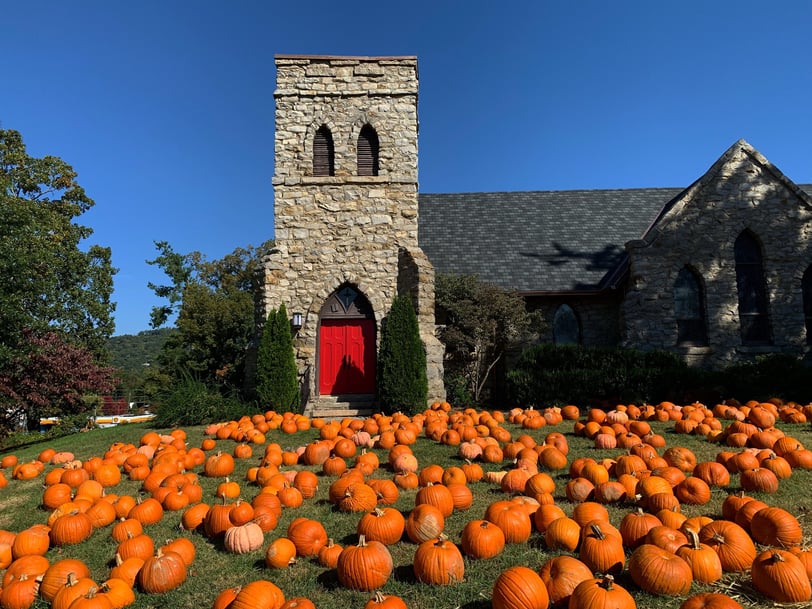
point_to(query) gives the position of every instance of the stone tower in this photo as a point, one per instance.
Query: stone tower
(345, 218)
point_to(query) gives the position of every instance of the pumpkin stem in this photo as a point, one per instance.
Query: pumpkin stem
(362, 540)
(694, 536)
(606, 582)
(597, 531)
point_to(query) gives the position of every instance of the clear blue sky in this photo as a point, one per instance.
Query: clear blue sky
(165, 107)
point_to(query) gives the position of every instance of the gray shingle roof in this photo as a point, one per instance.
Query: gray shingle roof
(540, 241)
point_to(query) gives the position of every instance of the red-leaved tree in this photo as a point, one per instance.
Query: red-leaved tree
(50, 379)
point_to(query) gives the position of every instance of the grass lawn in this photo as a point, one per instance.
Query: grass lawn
(214, 569)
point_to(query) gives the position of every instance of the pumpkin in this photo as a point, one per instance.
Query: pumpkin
(512, 518)
(774, 526)
(385, 601)
(703, 560)
(382, 524)
(481, 539)
(365, 566)
(660, 572)
(161, 573)
(57, 576)
(709, 600)
(20, 593)
(731, 542)
(561, 575)
(601, 593)
(328, 554)
(519, 588)
(308, 535)
(780, 575)
(183, 547)
(562, 534)
(438, 562)
(243, 538)
(218, 465)
(437, 495)
(424, 522)
(280, 554)
(259, 594)
(118, 592)
(70, 529)
(601, 552)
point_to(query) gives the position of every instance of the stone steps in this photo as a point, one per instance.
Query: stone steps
(339, 407)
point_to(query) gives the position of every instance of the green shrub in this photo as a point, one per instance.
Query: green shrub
(191, 402)
(548, 374)
(778, 375)
(277, 379)
(402, 382)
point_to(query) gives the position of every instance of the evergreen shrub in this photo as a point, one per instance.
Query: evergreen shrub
(402, 382)
(277, 378)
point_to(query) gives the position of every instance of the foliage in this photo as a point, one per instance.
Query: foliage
(50, 379)
(49, 285)
(558, 374)
(402, 382)
(481, 321)
(775, 375)
(277, 379)
(215, 307)
(191, 402)
(134, 352)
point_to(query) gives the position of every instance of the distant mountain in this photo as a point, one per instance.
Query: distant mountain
(131, 352)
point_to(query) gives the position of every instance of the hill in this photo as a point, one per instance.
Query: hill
(131, 352)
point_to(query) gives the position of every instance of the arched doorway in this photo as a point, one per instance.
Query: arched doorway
(346, 344)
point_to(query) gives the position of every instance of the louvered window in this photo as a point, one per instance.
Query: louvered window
(368, 152)
(323, 153)
(806, 290)
(689, 309)
(752, 291)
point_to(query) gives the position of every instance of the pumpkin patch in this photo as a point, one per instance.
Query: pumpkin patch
(598, 506)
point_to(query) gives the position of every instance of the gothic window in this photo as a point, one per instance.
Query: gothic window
(752, 291)
(368, 152)
(323, 153)
(806, 290)
(566, 329)
(689, 309)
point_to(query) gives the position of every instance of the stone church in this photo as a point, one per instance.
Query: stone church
(718, 272)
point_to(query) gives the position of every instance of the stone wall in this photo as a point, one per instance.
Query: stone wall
(742, 191)
(597, 316)
(344, 228)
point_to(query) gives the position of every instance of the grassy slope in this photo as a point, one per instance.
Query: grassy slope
(215, 570)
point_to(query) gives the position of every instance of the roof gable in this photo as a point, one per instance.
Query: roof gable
(741, 158)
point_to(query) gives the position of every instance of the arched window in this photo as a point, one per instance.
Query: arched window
(368, 152)
(566, 329)
(752, 290)
(323, 153)
(689, 309)
(806, 290)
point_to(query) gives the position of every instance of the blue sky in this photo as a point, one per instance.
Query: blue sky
(165, 107)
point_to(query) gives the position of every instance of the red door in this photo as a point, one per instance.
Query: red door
(347, 356)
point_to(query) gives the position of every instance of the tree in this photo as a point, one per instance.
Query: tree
(481, 322)
(51, 284)
(402, 383)
(277, 379)
(215, 313)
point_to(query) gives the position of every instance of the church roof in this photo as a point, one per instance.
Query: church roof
(540, 241)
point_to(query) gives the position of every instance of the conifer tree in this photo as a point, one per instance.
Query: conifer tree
(402, 383)
(277, 376)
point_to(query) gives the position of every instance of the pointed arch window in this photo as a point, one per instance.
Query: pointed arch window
(689, 309)
(806, 290)
(323, 153)
(752, 291)
(368, 147)
(566, 327)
